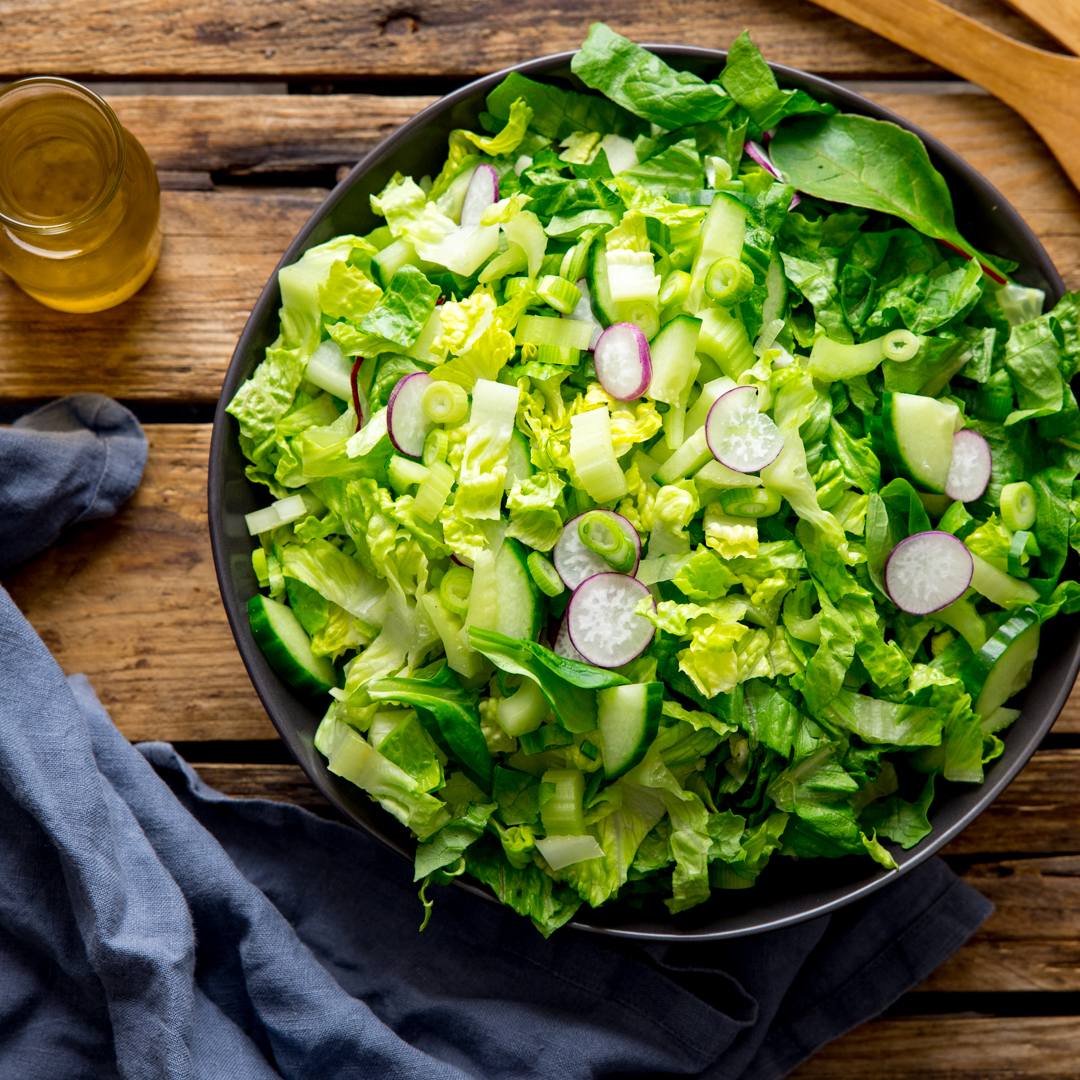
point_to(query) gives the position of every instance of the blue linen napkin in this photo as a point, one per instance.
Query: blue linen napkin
(153, 928)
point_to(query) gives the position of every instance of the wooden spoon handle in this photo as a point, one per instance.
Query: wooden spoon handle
(1043, 87)
(950, 39)
(1059, 18)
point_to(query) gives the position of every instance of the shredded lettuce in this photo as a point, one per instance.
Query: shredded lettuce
(796, 710)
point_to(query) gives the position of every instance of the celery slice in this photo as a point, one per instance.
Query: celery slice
(593, 455)
(432, 494)
(542, 330)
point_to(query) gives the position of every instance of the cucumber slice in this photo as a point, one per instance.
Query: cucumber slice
(596, 276)
(287, 648)
(519, 464)
(916, 433)
(628, 718)
(722, 234)
(1002, 667)
(518, 611)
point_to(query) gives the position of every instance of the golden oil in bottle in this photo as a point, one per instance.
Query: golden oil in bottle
(79, 198)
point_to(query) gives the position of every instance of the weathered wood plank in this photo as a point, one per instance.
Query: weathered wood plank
(454, 38)
(1038, 813)
(134, 604)
(1032, 940)
(951, 1048)
(262, 133)
(172, 341)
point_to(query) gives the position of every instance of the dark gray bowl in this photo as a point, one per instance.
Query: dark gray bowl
(789, 891)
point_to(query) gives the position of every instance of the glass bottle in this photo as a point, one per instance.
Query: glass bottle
(79, 198)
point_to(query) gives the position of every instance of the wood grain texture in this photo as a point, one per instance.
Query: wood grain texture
(952, 1048)
(1038, 813)
(173, 340)
(251, 134)
(457, 38)
(1031, 941)
(133, 603)
(280, 783)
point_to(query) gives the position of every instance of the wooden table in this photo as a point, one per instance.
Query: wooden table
(250, 109)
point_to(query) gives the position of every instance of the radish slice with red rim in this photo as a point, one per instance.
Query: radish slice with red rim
(482, 192)
(739, 435)
(927, 572)
(623, 364)
(564, 647)
(575, 562)
(406, 422)
(972, 464)
(602, 622)
(761, 156)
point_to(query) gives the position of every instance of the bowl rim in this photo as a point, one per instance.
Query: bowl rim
(788, 910)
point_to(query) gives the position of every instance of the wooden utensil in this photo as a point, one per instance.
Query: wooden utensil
(1043, 87)
(1059, 18)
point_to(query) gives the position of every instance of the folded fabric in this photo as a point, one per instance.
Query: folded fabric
(75, 459)
(152, 928)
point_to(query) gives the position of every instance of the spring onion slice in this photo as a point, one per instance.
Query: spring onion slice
(729, 281)
(544, 574)
(599, 535)
(1018, 508)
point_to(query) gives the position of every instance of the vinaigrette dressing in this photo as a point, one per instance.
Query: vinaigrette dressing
(79, 198)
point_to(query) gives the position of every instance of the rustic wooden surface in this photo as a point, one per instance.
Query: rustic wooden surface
(133, 602)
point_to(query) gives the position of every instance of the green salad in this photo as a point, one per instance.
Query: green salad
(665, 487)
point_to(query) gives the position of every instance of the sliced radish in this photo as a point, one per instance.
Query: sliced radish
(602, 622)
(972, 463)
(482, 192)
(564, 647)
(739, 435)
(761, 156)
(406, 422)
(927, 572)
(622, 361)
(575, 562)
(461, 560)
(583, 312)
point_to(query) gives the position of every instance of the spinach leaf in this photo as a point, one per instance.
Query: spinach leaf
(868, 163)
(676, 168)
(566, 684)
(558, 113)
(750, 81)
(643, 84)
(450, 705)
(452, 840)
